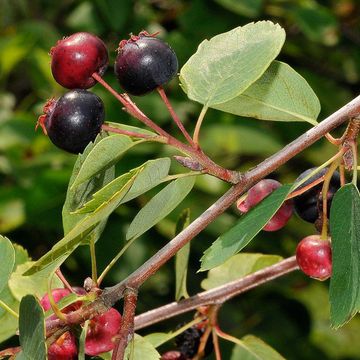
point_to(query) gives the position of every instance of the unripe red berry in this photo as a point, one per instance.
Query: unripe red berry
(75, 58)
(173, 355)
(313, 256)
(257, 193)
(144, 63)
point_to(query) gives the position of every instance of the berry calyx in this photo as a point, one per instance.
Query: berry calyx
(73, 120)
(308, 205)
(101, 332)
(257, 193)
(144, 63)
(75, 58)
(313, 256)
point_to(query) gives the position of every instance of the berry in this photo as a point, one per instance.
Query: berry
(102, 329)
(313, 256)
(257, 193)
(144, 63)
(75, 58)
(173, 355)
(309, 204)
(64, 348)
(73, 120)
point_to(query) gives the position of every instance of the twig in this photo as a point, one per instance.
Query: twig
(127, 324)
(217, 295)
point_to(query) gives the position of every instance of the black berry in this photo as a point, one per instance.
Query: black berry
(75, 58)
(313, 256)
(73, 120)
(309, 204)
(144, 63)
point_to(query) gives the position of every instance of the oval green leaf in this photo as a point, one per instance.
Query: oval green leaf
(244, 231)
(7, 260)
(253, 348)
(226, 65)
(281, 94)
(141, 349)
(344, 291)
(105, 153)
(160, 206)
(32, 329)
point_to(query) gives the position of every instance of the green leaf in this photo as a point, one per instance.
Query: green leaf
(103, 154)
(250, 8)
(35, 284)
(226, 65)
(60, 251)
(281, 94)
(81, 355)
(143, 350)
(32, 329)
(344, 291)
(253, 348)
(76, 198)
(152, 173)
(160, 206)
(245, 230)
(130, 128)
(237, 267)
(182, 258)
(157, 339)
(7, 260)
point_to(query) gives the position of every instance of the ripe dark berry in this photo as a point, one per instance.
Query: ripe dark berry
(75, 58)
(257, 193)
(73, 120)
(144, 63)
(101, 332)
(313, 256)
(309, 204)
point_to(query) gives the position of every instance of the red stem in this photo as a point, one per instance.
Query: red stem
(175, 117)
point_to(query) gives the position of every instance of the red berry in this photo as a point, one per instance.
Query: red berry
(75, 58)
(101, 333)
(313, 256)
(57, 294)
(144, 63)
(257, 193)
(74, 120)
(173, 355)
(64, 348)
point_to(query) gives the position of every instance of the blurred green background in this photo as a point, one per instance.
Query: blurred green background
(323, 44)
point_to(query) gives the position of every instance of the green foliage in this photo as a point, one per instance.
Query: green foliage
(32, 329)
(7, 260)
(141, 349)
(345, 234)
(221, 68)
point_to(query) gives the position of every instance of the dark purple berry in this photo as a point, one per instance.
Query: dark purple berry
(144, 63)
(73, 120)
(309, 204)
(313, 256)
(257, 193)
(75, 58)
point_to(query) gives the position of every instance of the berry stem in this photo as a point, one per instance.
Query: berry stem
(228, 337)
(215, 339)
(133, 134)
(62, 278)
(93, 260)
(174, 116)
(355, 169)
(210, 167)
(198, 125)
(333, 140)
(127, 324)
(53, 304)
(8, 309)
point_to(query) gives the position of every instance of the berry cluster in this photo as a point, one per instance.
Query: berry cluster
(99, 338)
(313, 254)
(143, 64)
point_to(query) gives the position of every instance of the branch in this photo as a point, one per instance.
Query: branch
(217, 295)
(150, 267)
